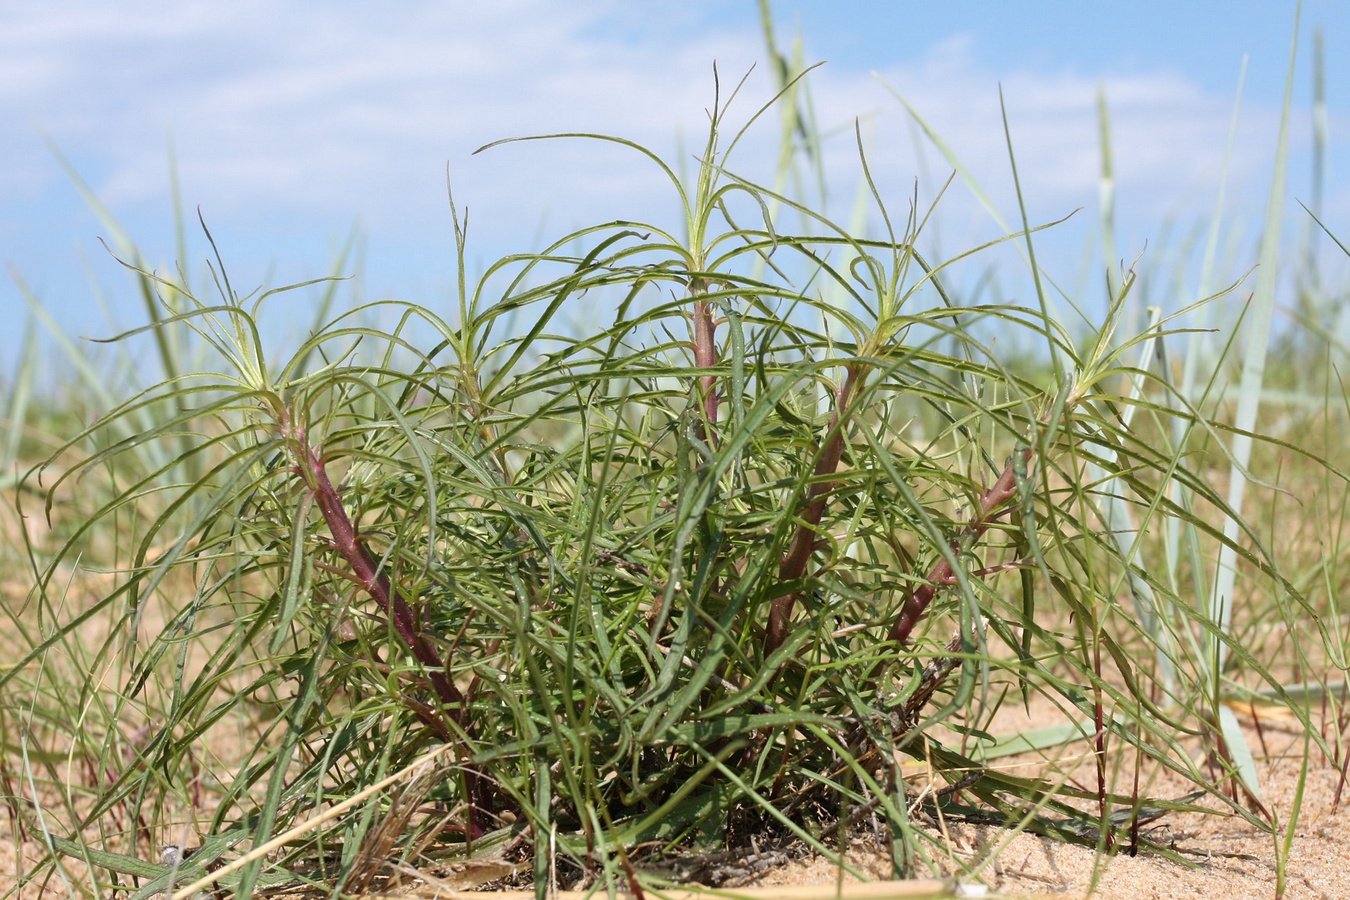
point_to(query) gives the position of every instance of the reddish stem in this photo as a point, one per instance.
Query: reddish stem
(705, 357)
(347, 542)
(793, 565)
(377, 583)
(1003, 490)
(1099, 720)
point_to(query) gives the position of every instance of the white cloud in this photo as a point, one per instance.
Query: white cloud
(1167, 137)
(289, 113)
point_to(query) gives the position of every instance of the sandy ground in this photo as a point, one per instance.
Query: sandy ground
(1228, 857)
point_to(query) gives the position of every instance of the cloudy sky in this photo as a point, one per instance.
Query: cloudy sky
(292, 123)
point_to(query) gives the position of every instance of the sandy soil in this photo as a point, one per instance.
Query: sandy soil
(1228, 857)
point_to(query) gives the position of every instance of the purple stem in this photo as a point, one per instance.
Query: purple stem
(378, 585)
(705, 357)
(793, 565)
(1003, 490)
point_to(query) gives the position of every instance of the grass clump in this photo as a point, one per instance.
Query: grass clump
(778, 526)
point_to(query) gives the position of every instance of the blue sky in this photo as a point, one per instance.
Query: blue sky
(293, 122)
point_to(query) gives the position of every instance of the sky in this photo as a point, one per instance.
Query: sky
(293, 125)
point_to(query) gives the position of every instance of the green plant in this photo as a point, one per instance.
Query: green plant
(716, 567)
(762, 548)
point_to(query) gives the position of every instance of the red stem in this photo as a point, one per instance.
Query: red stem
(705, 357)
(793, 565)
(1099, 719)
(1003, 490)
(377, 583)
